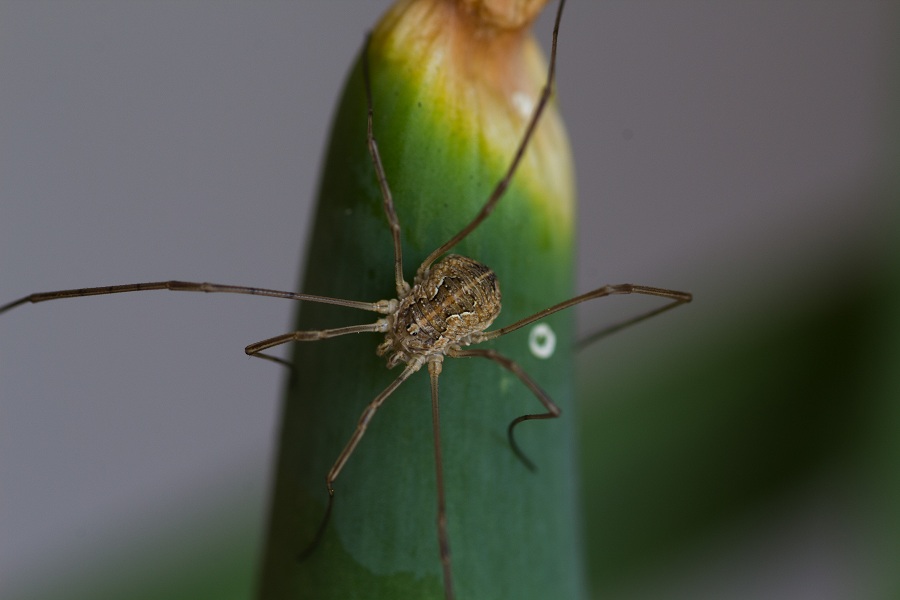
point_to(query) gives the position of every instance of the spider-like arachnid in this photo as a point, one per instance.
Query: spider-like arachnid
(450, 305)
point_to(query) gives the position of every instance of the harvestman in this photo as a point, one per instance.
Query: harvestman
(452, 302)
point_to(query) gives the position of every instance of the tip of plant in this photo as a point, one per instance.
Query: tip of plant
(503, 14)
(476, 66)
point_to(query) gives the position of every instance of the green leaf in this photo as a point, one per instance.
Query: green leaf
(512, 532)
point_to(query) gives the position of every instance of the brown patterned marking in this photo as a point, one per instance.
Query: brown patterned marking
(458, 297)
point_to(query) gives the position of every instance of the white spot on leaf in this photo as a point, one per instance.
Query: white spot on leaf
(542, 341)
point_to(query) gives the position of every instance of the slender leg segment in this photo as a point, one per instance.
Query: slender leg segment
(363, 423)
(677, 299)
(553, 411)
(358, 433)
(389, 211)
(256, 349)
(379, 326)
(384, 306)
(596, 336)
(434, 369)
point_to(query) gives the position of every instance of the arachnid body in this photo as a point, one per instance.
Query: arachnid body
(459, 299)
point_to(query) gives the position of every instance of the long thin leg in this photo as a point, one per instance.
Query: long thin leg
(380, 326)
(383, 306)
(256, 349)
(553, 411)
(434, 369)
(677, 298)
(358, 433)
(597, 335)
(500, 189)
(389, 211)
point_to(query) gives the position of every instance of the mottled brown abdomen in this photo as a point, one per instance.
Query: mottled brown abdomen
(459, 297)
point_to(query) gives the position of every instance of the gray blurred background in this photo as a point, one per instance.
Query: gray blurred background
(732, 149)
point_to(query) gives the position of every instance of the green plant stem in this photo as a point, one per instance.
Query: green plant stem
(512, 532)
